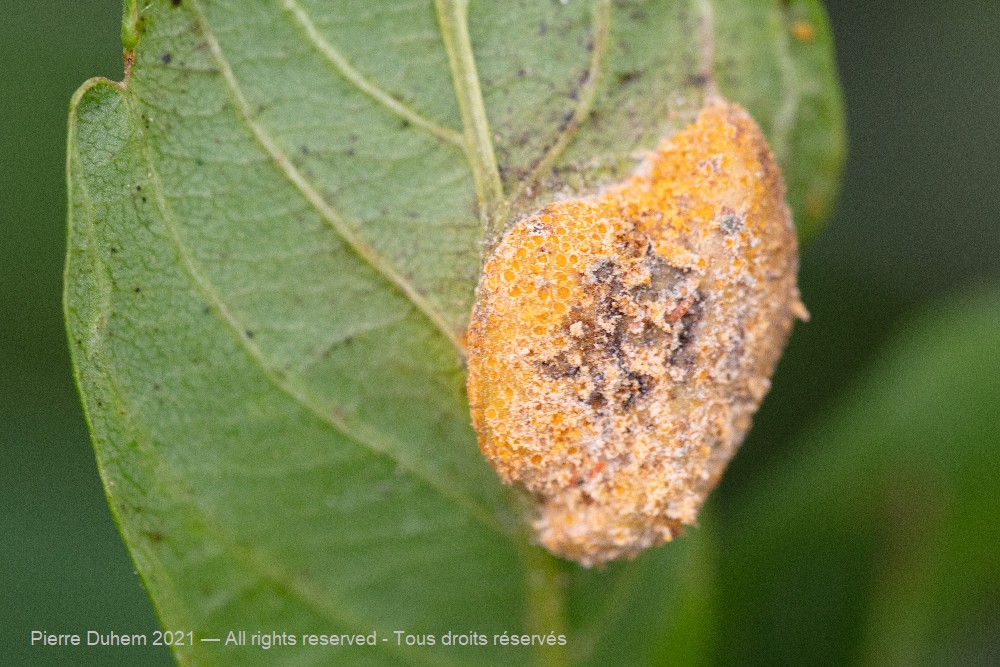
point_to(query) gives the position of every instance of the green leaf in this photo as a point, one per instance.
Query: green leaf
(877, 544)
(275, 233)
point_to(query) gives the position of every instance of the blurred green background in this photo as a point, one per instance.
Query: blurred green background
(882, 572)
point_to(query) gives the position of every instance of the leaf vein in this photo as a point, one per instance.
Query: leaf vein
(341, 64)
(253, 559)
(350, 236)
(600, 30)
(263, 567)
(587, 95)
(341, 338)
(787, 112)
(454, 22)
(279, 379)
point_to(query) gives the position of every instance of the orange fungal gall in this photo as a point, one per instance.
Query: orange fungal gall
(803, 31)
(616, 385)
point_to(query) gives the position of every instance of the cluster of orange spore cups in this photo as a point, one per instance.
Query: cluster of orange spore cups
(620, 344)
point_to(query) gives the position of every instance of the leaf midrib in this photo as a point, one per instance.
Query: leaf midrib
(453, 22)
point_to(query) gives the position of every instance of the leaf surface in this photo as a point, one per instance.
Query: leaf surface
(275, 234)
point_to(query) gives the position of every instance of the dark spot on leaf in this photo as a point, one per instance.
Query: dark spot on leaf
(305, 150)
(138, 188)
(248, 333)
(628, 77)
(166, 58)
(699, 79)
(154, 536)
(137, 290)
(175, 3)
(520, 72)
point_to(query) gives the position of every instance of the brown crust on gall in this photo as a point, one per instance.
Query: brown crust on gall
(620, 345)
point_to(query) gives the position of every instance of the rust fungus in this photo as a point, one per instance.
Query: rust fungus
(803, 31)
(620, 344)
